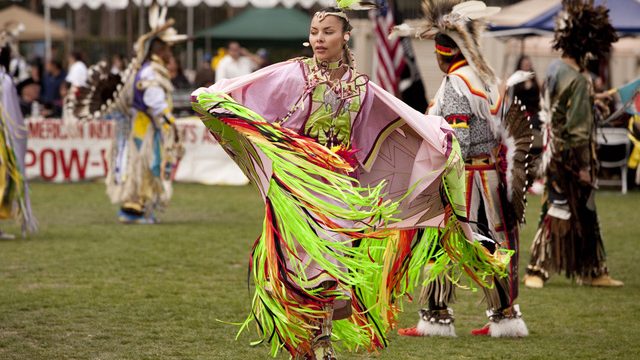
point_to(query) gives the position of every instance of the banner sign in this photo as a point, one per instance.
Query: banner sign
(59, 154)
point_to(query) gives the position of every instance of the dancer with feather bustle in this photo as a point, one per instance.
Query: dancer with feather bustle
(495, 144)
(147, 147)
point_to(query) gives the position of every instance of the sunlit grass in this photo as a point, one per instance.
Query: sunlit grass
(86, 287)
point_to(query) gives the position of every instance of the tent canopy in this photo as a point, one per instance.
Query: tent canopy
(121, 4)
(34, 24)
(279, 24)
(538, 17)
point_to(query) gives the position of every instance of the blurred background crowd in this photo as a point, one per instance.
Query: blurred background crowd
(231, 38)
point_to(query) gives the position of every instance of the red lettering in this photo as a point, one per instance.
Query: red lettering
(55, 129)
(105, 162)
(73, 162)
(29, 158)
(100, 130)
(35, 129)
(53, 164)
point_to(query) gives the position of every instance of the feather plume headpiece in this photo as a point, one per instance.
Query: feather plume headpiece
(342, 5)
(463, 22)
(160, 28)
(105, 92)
(356, 4)
(583, 31)
(9, 34)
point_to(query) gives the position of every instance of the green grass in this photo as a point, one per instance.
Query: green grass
(86, 287)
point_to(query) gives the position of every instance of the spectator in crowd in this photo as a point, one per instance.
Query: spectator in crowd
(56, 110)
(264, 55)
(53, 78)
(529, 91)
(215, 60)
(117, 64)
(176, 74)
(35, 76)
(237, 62)
(603, 107)
(205, 76)
(30, 90)
(29, 96)
(77, 75)
(64, 90)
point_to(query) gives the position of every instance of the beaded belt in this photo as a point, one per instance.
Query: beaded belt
(480, 160)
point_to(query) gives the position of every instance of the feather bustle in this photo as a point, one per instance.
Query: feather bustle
(520, 134)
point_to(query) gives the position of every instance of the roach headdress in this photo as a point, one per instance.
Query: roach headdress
(583, 30)
(463, 22)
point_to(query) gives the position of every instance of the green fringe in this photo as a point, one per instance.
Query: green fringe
(302, 186)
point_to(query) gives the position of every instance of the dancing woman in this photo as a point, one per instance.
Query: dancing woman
(348, 174)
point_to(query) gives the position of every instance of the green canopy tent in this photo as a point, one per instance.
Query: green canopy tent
(263, 27)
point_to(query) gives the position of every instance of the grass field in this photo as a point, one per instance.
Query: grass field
(85, 287)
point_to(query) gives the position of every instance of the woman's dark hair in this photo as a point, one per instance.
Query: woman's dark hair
(521, 59)
(346, 26)
(447, 41)
(56, 64)
(77, 56)
(36, 63)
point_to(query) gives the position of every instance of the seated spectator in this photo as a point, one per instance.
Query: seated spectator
(205, 76)
(529, 91)
(176, 74)
(35, 76)
(29, 95)
(117, 64)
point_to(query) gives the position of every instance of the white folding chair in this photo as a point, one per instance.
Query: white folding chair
(614, 137)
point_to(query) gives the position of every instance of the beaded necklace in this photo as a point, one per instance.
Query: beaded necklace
(337, 93)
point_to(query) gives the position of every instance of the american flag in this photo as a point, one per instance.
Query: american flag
(388, 60)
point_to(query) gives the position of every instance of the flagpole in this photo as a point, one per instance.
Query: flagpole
(47, 31)
(190, 21)
(141, 21)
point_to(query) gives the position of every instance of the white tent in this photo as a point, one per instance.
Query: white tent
(121, 4)
(189, 4)
(34, 24)
(521, 12)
